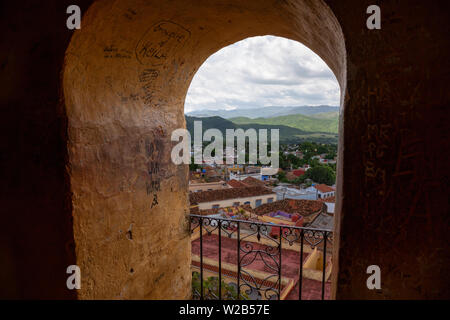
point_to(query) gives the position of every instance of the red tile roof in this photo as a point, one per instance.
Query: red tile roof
(291, 176)
(252, 182)
(329, 199)
(299, 172)
(225, 194)
(323, 188)
(236, 184)
(302, 207)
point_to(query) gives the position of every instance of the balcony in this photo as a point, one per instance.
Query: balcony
(252, 260)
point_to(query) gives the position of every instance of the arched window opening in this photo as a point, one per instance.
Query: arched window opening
(260, 85)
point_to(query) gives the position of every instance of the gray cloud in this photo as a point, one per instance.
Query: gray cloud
(262, 71)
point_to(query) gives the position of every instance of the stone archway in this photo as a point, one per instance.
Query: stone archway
(126, 75)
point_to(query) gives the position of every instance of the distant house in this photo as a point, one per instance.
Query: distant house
(241, 177)
(247, 182)
(212, 173)
(299, 154)
(324, 191)
(327, 161)
(294, 174)
(286, 192)
(308, 209)
(290, 176)
(299, 172)
(268, 172)
(252, 169)
(252, 182)
(253, 196)
(235, 168)
(236, 184)
(207, 186)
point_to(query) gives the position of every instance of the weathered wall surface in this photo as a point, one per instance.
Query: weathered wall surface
(393, 200)
(88, 172)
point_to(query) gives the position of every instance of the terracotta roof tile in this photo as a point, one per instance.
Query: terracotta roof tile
(299, 172)
(302, 207)
(329, 199)
(224, 194)
(236, 184)
(323, 188)
(252, 182)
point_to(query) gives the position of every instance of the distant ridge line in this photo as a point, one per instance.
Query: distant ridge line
(264, 112)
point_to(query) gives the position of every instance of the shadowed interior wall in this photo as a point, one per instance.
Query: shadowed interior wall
(36, 241)
(392, 196)
(97, 149)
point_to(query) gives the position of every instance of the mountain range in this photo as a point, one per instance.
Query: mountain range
(264, 112)
(320, 122)
(320, 128)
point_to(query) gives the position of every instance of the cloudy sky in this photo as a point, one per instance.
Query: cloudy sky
(262, 71)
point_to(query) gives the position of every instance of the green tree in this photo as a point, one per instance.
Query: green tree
(321, 174)
(330, 155)
(282, 176)
(193, 166)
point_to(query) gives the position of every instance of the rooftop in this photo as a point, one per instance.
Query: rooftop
(323, 188)
(323, 221)
(329, 199)
(236, 184)
(225, 194)
(252, 182)
(269, 171)
(299, 172)
(303, 207)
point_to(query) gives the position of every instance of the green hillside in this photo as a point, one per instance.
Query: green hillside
(326, 115)
(321, 122)
(287, 134)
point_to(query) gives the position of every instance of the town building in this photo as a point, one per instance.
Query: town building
(241, 177)
(207, 186)
(236, 184)
(330, 201)
(268, 173)
(253, 196)
(324, 191)
(307, 209)
(287, 192)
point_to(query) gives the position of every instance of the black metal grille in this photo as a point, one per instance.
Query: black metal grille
(267, 248)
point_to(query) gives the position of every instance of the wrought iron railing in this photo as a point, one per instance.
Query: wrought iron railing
(255, 242)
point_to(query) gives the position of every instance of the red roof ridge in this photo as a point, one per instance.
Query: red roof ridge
(323, 188)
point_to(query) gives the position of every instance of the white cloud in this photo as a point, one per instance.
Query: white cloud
(262, 71)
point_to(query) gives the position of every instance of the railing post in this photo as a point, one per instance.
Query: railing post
(219, 222)
(300, 280)
(238, 259)
(201, 258)
(279, 267)
(324, 263)
(236, 223)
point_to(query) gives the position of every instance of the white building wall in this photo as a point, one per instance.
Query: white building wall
(323, 195)
(240, 177)
(195, 187)
(230, 202)
(330, 207)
